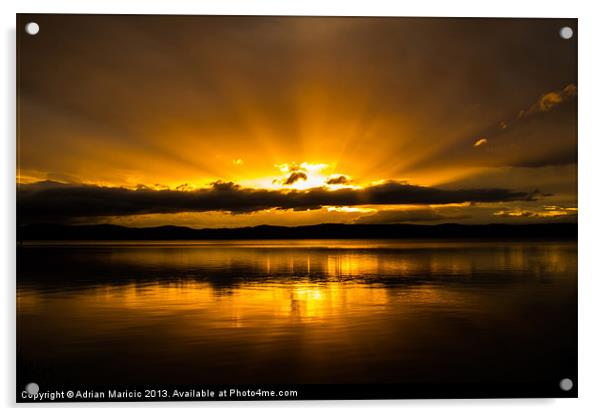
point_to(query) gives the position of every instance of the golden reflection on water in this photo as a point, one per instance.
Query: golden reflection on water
(298, 295)
(214, 307)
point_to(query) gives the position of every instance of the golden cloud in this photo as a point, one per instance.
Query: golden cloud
(549, 211)
(551, 99)
(480, 142)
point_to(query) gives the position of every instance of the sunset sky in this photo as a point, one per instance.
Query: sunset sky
(236, 121)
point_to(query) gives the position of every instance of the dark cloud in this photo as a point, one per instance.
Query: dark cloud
(295, 176)
(338, 180)
(558, 158)
(54, 201)
(401, 216)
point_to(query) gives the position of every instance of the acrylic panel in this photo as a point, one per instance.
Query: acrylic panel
(295, 208)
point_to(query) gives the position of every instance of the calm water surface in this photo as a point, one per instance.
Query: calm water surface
(296, 311)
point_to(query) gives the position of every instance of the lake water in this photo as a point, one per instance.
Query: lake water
(322, 311)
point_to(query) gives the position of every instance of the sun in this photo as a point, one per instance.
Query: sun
(302, 176)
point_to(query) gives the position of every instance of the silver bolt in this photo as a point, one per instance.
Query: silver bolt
(566, 32)
(32, 28)
(32, 388)
(566, 384)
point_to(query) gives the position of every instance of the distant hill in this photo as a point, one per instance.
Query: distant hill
(329, 231)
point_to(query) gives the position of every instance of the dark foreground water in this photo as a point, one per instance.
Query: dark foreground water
(296, 312)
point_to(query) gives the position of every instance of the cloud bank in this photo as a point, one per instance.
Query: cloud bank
(53, 201)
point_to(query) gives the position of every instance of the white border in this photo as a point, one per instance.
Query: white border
(590, 206)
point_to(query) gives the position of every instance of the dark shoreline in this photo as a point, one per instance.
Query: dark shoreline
(46, 232)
